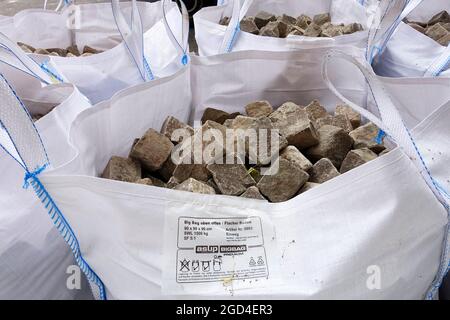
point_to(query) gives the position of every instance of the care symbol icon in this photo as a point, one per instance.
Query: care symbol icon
(196, 266)
(184, 265)
(206, 265)
(260, 261)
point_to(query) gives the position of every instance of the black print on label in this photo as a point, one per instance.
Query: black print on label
(206, 249)
(233, 249)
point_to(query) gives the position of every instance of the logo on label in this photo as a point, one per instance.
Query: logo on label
(207, 249)
(252, 262)
(233, 249)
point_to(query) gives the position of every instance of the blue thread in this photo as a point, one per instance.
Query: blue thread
(148, 69)
(32, 175)
(234, 37)
(185, 59)
(380, 136)
(50, 72)
(66, 231)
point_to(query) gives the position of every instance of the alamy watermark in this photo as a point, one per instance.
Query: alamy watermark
(208, 145)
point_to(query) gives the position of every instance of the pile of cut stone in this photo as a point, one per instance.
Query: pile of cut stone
(270, 25)
(313, 147)
(69, 52)
(438, 28)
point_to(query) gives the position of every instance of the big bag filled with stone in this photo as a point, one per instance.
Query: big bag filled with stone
(270, 25)
(313, 147)
(437, 28)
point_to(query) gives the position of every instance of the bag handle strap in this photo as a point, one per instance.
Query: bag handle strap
(390, 120)
(388, 17)
(11, 54)
(132, 35)
(181, 45)
(61, 4)
(439, 65)
(233, 28)
(18, 135)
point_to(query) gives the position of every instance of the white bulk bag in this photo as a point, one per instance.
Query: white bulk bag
(405, 52)
(34, 261)
(213, 38)
(137, 43)
(322, 244)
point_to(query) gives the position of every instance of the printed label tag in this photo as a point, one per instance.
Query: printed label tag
(217, 251)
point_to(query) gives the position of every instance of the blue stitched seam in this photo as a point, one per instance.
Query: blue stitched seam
(65, 230)
(50, 72)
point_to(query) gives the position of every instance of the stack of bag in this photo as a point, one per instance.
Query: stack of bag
(379, 231)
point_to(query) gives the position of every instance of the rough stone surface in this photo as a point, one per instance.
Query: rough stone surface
(60, 52)
(284, 184)
(308, 186)
(445, 40)
(122, 169)
(171, 124)
(248, 25)
(340, 121)
(293, 123)
(313, 30)
(166, 171)
(224, 21)
(322, 18)
(436, 32)
(152, 150)
(296, 31)
(270, 30)
(293, 155)
(417, 27)
(352, 115)
(156, 182)
(73, 50)
(283, 29)
(352, 28)
(172, 183)
(332, 31)
(231, 179)
(442, 16)
(88, 49)
(41, 51)
(183, 172)
(259, 109)
(356, 158)
(334, 144)
(145, 181)
(26, 47)
(263, 18)
(288, 19)
(213, 185)
(264, 151)
(218, 116)
(253, 193)
(365, 137)
(322, 171)
(315, 110)
(303, 21)
(192, 185)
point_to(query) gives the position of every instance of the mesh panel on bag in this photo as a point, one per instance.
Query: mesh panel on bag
(18, 135)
